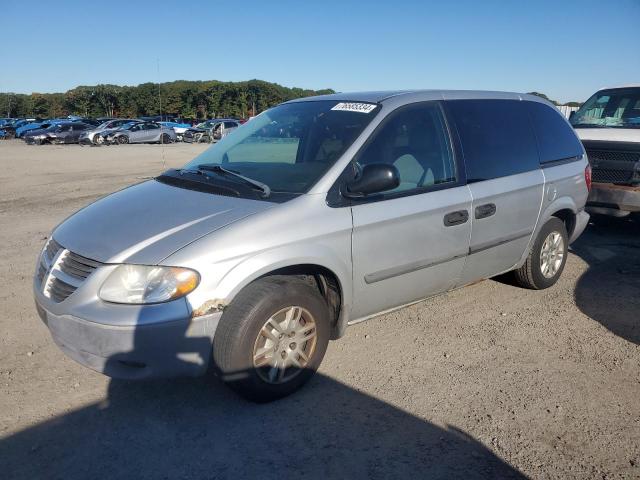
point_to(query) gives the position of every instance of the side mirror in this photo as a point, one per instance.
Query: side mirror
(375, 178)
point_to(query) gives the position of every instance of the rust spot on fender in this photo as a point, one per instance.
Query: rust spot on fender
(208, 307)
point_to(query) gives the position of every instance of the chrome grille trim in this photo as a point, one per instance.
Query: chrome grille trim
(61, 272)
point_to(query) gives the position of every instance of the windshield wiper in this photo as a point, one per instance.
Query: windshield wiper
(210, 167)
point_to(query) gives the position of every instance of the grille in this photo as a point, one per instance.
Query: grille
(613, 166)
(62, 272)
(610, 175)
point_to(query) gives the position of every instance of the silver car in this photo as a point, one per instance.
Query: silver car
(96, 135)
(142, 132)
(318, 214)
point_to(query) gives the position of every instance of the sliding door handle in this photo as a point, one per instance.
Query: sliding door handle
(456, 218)
(486, 210)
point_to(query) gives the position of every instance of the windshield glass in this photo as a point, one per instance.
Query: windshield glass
(291, 146)
(610, 108)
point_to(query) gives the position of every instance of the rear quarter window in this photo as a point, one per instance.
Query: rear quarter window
(496, 136)
(556, 139)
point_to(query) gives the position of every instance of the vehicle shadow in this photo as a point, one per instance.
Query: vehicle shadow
(197, 428)
(609, 291)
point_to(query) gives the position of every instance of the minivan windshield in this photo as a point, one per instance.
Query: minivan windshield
(610, 108)
(289, 147)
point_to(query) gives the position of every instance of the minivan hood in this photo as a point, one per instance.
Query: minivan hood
(148, 222)
(609, 134)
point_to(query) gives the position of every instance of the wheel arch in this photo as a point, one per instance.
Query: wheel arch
(331, 276)
(568, 217)
(563, 208)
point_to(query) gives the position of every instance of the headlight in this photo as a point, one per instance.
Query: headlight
(140, 284)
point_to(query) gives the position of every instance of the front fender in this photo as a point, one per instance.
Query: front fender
(254, 267)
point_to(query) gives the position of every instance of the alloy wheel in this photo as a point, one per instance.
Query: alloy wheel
(285, 345)
(551, 254)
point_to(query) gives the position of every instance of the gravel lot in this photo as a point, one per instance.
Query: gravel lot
(487, 381)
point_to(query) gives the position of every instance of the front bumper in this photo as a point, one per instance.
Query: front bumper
(177, 347)
(612, 199)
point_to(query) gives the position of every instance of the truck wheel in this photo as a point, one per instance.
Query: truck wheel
(271, 338)
(547, 257)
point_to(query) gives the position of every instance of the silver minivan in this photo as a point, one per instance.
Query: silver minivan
(317, 214)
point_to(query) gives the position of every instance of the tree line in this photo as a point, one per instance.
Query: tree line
(183, 98)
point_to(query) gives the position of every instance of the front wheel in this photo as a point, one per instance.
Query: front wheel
(165, 138)
(547, 257)
(272, 338)
(122, 139)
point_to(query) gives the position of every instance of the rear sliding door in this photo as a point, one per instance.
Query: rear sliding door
(505, 181)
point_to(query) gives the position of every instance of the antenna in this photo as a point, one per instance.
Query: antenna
(159, 96)
(160, 111)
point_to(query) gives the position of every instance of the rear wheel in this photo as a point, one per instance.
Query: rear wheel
(122, 139)
(272, 338)
(547, 257)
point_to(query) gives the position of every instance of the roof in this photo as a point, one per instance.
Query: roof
(631, 85)
(417, 95)
(370, 97)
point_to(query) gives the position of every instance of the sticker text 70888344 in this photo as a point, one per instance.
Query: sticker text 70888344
(354, 107)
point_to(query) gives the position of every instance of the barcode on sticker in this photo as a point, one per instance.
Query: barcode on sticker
(354, 107)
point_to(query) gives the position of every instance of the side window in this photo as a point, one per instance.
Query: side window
(415, 140)
(230, 124)
(497, 138)
(556, 139)
(152, 126)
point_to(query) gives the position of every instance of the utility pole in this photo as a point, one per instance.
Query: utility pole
(159, 96)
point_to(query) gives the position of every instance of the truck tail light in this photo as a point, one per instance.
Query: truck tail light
(587, 176)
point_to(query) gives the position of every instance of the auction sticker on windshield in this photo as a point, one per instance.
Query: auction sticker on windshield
(354, 107)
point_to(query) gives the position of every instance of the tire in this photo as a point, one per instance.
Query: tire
(122, 139)
(165, 138)
(247, 328)
(536, 273)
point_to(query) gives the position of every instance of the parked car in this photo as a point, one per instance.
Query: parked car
(609, 126)
(91, 137)
(39, 124)
(179, 128)
(318, 214)
(9, 129)
(68, 132)
(210, 131)
(142, 132)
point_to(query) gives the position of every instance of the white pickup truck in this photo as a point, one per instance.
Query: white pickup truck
(608, 124)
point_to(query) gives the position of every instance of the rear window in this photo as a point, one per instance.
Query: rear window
(556, 139)
(496, 135)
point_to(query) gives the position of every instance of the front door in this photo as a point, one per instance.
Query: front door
(411, 242)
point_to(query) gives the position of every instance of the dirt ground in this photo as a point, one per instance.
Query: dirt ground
(487, 381)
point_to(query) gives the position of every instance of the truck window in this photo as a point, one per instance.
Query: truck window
(497, 138)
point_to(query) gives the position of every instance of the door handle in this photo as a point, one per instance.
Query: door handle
(456, 218)
(486, 210)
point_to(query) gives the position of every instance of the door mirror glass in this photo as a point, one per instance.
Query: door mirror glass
(375, 178)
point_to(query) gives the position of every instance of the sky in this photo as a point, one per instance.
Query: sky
(566, 49)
